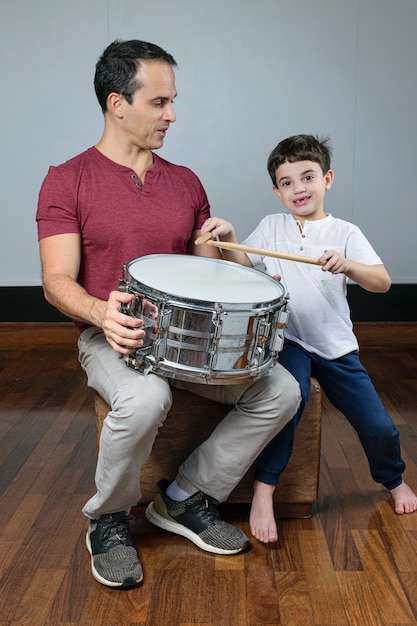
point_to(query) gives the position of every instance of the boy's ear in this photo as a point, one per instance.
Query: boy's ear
(276, 191)
(329, 178)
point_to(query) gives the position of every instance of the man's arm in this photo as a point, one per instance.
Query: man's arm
(60, 259)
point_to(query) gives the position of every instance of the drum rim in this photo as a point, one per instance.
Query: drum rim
(227, 305)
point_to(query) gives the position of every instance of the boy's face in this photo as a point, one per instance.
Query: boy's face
(301, 187)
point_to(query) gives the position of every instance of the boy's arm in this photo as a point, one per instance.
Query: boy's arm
(373, 278)
(225, 231)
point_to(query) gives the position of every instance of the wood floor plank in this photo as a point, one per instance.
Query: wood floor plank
(408, 582)
(17, 578)
(229, 598)
(262, 599)
(340, 542)
(286, 553)
(385, 586)
(72, 594)
(197, 589)
(237, 563)
(40, 594)
(294, 600)
(16, 529)
(327, 607)
(364, 610)
(396, 539)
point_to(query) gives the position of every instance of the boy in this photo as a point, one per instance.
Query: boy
(319, 336)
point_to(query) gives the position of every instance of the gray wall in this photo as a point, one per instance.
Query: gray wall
(250, 73)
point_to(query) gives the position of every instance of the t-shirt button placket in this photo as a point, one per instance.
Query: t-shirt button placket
(138, 183)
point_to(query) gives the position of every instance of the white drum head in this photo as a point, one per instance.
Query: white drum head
(205, 279)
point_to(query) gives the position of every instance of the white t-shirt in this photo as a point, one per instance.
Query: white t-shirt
(319, 317)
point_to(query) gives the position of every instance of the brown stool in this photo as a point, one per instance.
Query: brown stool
(191, 420)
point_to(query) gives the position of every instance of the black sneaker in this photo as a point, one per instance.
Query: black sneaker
(114, 560)
(197, 519)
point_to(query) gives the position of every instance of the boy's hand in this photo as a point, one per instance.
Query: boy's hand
(374, 278)
(334, 262)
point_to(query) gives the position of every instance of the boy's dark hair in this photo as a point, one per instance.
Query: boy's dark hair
(300, 148)
(117, 66)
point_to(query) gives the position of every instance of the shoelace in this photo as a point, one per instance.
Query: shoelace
(210, 513)
(115, 531)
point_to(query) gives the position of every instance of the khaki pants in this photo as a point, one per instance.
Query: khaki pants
(139, 407)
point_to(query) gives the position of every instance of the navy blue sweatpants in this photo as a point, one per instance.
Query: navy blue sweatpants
(349, 388)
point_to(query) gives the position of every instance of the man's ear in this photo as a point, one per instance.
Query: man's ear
(115, 104)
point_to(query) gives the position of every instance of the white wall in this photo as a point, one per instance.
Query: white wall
(251, 72)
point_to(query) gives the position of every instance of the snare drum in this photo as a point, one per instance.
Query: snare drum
(213, 321)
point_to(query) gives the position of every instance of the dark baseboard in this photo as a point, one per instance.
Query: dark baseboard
(27, 304)
(398, 305)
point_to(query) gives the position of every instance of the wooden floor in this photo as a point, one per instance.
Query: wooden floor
(353, 563)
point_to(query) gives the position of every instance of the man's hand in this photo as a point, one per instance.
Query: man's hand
(219, 227)
(123, 332)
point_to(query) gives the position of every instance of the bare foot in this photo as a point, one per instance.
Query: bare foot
(261, 518)
(405, 500)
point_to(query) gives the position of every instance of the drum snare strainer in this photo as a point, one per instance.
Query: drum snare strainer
(217, 322)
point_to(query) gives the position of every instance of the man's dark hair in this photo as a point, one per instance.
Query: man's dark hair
(300, 148)
(117, 66)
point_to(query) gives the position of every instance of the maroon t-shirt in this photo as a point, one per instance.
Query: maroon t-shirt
(119, 218)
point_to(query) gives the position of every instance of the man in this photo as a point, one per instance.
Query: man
(115, 202)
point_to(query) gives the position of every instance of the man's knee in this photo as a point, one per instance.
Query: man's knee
(287, 389)
(277, 393)
(149, 402)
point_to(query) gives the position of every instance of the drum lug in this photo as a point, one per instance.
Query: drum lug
(160, 341)
(144, 359)
(135, 308)
(141, 361)
(258, 357)
(217, 322)
(278, 338)
(262, 334)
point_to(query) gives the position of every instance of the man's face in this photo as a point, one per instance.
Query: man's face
(147, 119)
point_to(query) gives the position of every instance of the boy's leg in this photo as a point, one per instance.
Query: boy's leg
(274, 458)
(350, 389)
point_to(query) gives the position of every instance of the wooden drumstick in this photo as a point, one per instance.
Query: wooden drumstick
(202, 239)
(206, 238)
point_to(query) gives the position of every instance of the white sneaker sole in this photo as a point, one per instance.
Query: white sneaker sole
(167, 523)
